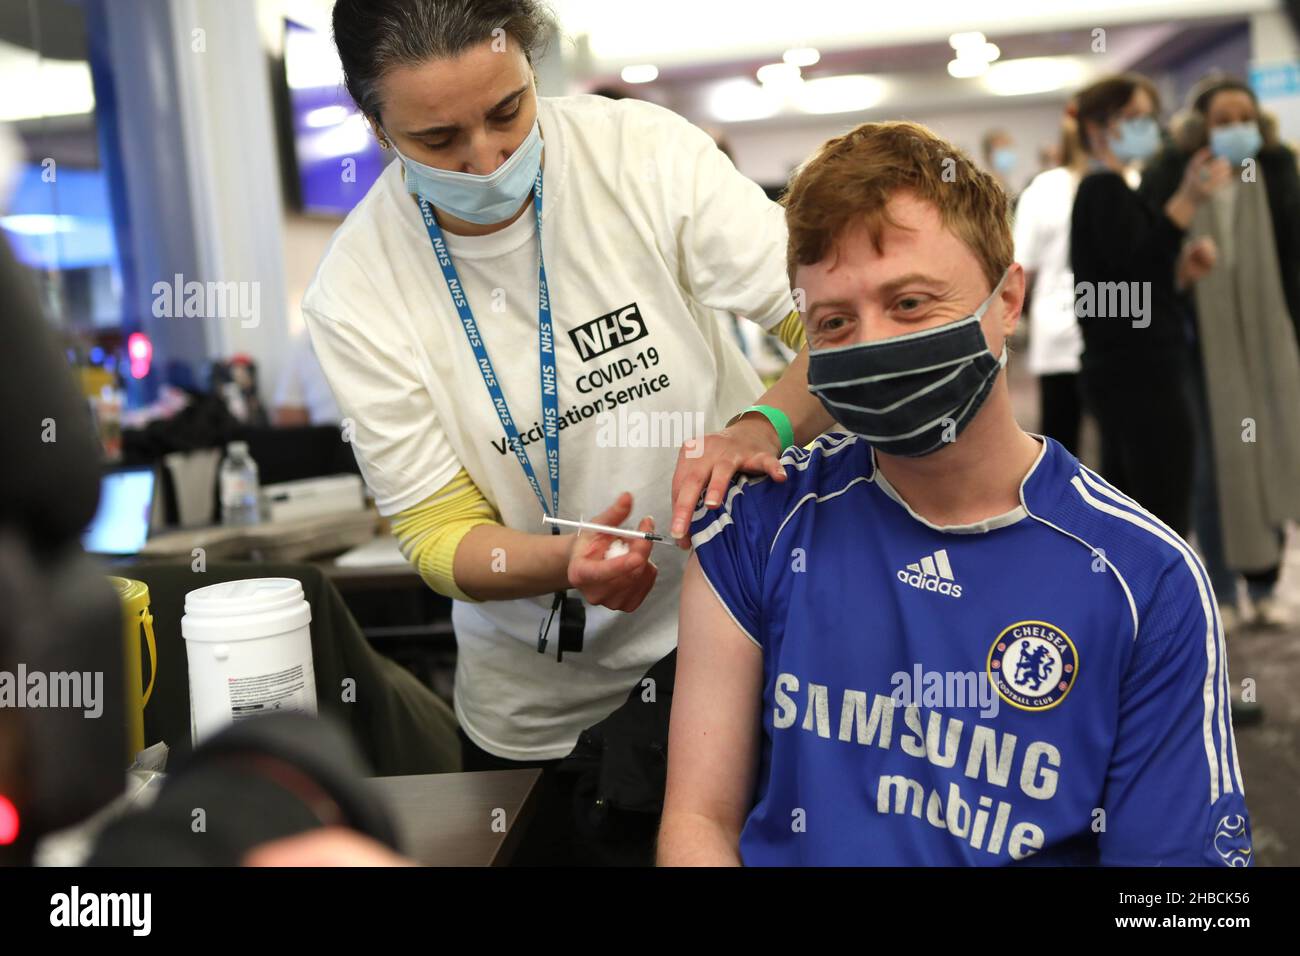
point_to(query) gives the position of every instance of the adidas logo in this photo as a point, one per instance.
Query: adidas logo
(931, 573)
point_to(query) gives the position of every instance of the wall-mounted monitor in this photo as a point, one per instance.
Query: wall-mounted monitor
(335, 153)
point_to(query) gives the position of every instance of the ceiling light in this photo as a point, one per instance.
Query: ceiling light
(963, 41)
(840, 94)
(640, 73)
(780, 76)
(49, 87)
(801, 56)
(739, 100)
(1039, 74)
(963, 68)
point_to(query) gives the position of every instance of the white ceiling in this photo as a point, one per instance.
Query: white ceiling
(681, 32)
(914, 78)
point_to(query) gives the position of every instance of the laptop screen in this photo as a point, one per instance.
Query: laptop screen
(121, 524)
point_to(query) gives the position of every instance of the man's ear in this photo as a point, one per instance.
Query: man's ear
(1012, 298)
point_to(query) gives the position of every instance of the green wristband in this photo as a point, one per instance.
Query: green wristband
(780, 421)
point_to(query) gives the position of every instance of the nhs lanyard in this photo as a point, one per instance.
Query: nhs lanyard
(546, 348)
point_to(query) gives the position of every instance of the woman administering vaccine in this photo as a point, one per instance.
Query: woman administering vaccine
(521, 319)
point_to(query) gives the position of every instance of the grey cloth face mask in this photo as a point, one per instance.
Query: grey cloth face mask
(911, 394)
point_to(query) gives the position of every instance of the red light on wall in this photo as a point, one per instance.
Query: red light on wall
(139, 351)
(8, 821)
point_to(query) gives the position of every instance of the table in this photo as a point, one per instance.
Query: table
(446, 819)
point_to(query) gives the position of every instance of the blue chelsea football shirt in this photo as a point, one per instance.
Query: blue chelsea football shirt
(1048, 686)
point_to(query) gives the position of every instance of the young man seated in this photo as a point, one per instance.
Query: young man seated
(939, 640)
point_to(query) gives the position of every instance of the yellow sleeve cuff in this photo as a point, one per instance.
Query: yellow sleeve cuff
(429, 533)
(790, 331)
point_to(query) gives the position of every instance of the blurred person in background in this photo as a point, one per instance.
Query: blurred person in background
(1050, 156)
(999, 151)
(1245, 365)
(1042, 237)
(303, 396)
(1128, 256)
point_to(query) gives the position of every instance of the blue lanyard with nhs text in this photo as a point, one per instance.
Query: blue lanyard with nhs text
(549, 381)
(546, 342)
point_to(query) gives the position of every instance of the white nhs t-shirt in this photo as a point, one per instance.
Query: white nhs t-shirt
(650, 233)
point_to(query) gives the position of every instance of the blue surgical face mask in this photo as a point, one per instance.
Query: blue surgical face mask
(479, 199)
(1138, 139)
(1004, 159)
(1237, 142)
(910, 394)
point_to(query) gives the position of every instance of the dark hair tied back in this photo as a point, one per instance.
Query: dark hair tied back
(374, 36)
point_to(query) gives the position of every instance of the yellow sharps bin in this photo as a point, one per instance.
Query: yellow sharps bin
(136, 620)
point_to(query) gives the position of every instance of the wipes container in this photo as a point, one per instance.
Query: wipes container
(249, 650)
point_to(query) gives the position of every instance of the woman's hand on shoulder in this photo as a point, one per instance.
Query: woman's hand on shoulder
(749, 445)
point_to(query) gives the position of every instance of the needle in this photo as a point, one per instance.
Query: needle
(605, 529)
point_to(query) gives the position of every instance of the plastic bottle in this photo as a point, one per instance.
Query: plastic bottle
(240, 491)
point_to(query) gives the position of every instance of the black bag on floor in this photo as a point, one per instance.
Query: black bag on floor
(618, 770)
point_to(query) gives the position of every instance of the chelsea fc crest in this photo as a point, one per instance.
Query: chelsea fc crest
(1033, 665)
